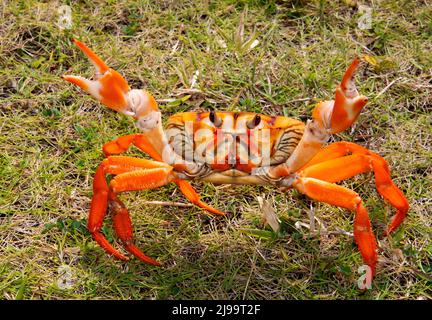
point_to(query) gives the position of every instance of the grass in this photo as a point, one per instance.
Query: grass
(52, 135)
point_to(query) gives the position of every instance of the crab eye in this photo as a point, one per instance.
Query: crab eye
(254, 122)
(215, 119)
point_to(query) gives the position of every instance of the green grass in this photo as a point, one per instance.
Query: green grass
(52, 135)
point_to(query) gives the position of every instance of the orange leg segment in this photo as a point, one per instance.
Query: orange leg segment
(194, 197)
(332, 164)
(343, 197)
(121, 145)
(132, 174)
(123, 228)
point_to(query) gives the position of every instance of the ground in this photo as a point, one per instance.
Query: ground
(52, 135)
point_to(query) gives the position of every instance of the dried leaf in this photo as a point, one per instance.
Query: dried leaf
(351, 3)
(397, 255)
(238, 36)
(194, 79)
(269, 214)
(371, 60)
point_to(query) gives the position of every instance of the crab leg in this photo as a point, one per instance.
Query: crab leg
(121, 145)
(326, 166)
(343, 197)
(123, 228)
(190, 193)
(132, 174)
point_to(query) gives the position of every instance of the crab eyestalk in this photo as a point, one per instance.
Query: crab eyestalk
(254, 122)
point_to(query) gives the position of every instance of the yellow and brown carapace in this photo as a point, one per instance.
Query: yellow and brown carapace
(233, 147)
(233, 142)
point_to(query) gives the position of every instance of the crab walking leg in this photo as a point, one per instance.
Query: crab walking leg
(121, 145)
(129, 181)
(362, 160)
(98, 209)
(123, 228)
(339, 169)
(343, 197)
(194, 197)
(337, 150)
(151, 174)
(332, 151)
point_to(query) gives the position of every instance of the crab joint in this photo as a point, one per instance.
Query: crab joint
(314, 137)
(139, 103)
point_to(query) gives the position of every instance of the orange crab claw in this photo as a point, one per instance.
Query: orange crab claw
(109, 87)
(98, 63)
(348, 103)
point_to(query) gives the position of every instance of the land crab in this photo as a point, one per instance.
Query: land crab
(233, 148)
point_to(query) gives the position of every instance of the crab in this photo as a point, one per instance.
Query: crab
(233, 148)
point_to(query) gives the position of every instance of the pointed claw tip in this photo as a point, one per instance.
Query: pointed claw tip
(349, 73)
(93, 57)
(354, 65)
(81, 45)
(356, 61)
(150, 261)
(66, 77)
(77, 42)
(124, 258)
(158, 264)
